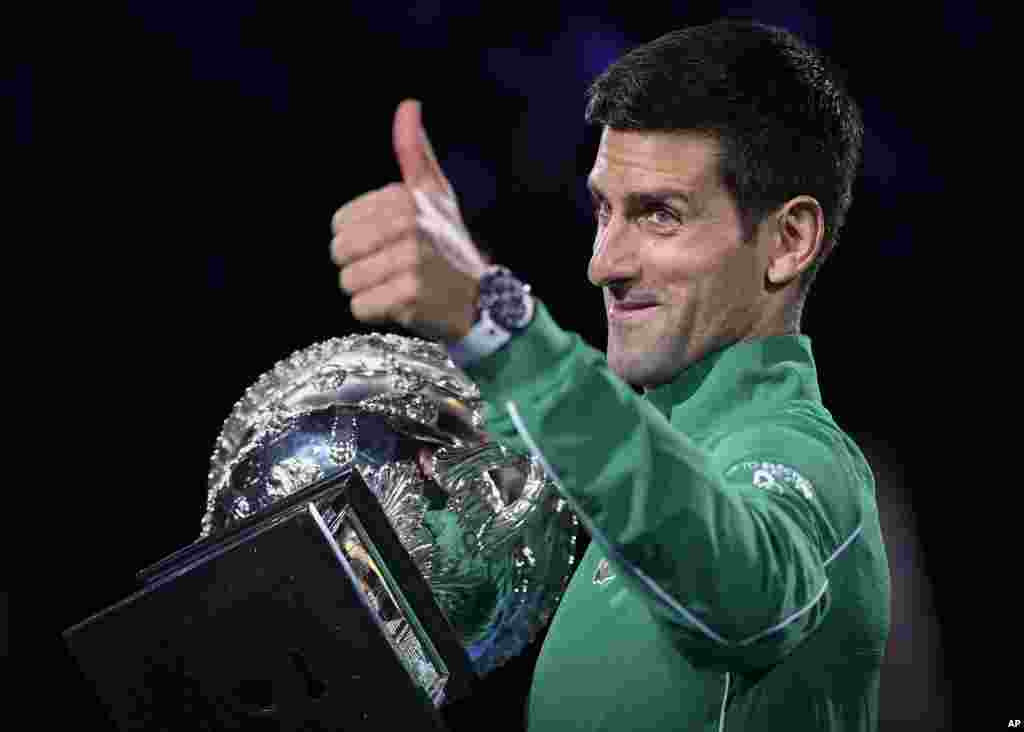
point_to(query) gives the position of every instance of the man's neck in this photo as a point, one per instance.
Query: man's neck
(791, 329)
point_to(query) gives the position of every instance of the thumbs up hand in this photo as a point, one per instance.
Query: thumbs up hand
(403, 251)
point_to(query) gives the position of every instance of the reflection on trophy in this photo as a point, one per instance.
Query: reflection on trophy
(483, 525)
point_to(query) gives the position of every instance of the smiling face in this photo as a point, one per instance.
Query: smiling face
(678, 279)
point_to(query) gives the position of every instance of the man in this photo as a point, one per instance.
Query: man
(736, 577)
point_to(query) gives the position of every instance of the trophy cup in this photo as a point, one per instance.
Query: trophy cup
(367, 552)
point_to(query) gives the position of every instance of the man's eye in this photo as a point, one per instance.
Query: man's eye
(662, 217)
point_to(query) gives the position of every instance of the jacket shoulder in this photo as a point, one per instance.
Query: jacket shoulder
(802, 443)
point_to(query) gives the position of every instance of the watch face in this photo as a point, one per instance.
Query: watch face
(513, 312)
(506, 300)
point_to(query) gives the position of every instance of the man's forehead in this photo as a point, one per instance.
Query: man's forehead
(630, 157)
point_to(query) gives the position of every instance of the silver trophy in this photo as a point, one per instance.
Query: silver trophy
(483, 525)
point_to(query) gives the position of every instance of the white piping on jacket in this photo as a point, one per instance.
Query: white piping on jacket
(725, 697)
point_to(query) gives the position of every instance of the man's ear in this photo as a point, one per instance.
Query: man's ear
(799, 230)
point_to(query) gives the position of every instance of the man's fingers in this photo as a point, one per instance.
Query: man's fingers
(416, 159)
(390, 300)
(360, 239)
(391, 201)
(380, 266)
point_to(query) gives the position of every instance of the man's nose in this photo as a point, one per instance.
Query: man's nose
(614, 258)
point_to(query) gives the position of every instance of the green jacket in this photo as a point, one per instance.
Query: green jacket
(736, 577)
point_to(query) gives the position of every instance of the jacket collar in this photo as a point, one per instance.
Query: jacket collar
(732, 371)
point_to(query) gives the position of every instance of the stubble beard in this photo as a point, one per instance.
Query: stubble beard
(644, 360)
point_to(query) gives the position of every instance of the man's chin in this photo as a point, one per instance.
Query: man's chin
(643, 368)
(632, 368)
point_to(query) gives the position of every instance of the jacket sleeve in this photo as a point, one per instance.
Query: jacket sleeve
(728, 546)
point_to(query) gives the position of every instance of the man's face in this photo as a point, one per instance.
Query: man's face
(678, 280)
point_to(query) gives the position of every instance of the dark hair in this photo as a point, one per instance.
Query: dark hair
(783, 119)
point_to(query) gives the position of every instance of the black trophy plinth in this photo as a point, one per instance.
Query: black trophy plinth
(273, 624)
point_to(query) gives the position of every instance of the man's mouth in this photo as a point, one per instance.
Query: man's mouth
(631, 310)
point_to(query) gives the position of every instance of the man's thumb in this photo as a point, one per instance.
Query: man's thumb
(420, 169)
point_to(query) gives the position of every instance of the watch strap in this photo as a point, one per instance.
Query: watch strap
(483, 339)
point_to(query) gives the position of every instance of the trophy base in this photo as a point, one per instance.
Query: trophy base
(267, 627)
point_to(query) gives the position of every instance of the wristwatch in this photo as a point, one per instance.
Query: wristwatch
(504, 307)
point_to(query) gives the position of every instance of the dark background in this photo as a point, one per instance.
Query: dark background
(196, 151)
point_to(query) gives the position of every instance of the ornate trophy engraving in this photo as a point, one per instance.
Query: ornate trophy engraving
(482, 524)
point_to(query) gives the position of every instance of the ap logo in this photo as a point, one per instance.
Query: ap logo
(1014, 723)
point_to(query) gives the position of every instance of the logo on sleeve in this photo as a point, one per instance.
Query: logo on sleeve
(772, 477)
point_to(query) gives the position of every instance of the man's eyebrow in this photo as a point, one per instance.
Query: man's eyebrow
(655, 195)
(658, 195)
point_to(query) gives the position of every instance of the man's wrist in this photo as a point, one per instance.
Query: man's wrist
(504, 308)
